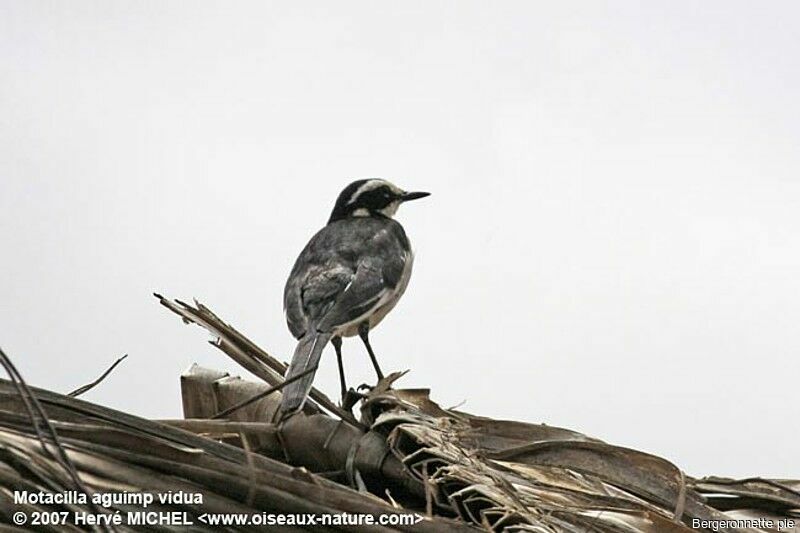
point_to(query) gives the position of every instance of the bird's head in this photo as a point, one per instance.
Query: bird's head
(373, 197)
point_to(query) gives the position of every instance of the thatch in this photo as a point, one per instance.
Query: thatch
(403, 454)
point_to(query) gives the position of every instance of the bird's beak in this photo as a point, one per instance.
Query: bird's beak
(413, 196)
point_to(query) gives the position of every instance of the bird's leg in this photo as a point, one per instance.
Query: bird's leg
(349, 396)
(363, 332)
(337, 345)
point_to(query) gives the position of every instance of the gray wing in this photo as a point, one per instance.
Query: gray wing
(335, 282)
(364, 292)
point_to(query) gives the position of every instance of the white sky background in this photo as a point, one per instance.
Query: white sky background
(611, 246)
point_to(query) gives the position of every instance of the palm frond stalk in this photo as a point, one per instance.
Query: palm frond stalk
(403, 454)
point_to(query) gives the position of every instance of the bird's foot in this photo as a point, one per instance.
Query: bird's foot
(350, 398)
(365, 387)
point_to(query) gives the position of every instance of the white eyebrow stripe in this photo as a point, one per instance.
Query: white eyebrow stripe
(368, 186)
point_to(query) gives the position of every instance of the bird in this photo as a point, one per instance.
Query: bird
(347, 278)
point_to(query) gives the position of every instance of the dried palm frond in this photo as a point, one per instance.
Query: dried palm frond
(404, 454)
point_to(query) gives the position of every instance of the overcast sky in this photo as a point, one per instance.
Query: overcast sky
(612, 244)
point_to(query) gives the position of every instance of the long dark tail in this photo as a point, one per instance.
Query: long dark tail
(306, 356)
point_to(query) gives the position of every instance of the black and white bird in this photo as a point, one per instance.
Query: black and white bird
(346, 279)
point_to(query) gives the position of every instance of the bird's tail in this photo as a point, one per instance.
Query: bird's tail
(306, 356)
